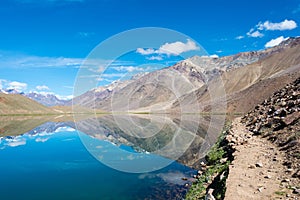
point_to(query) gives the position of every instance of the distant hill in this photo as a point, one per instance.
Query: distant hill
(18, 104)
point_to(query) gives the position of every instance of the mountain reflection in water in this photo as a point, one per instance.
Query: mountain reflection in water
(52, 159)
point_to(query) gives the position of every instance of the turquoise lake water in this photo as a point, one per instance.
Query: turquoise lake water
(50, 162)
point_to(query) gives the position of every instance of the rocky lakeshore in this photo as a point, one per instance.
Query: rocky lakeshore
(258, 155)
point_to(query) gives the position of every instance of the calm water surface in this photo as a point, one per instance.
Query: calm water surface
(51, 162)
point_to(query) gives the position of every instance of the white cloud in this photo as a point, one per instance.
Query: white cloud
(281, 26)
(16, 142)
(64, 129)
(17, 86)
(29, 61)
(270, 26)
(146, 51)
(127, 68)
(239, 37)
(42, 87)
(112, 75)
(275, 42)
(214, 56)
(175, 48)
(255, 34)
(65, 97)
(155, 58)
(40, 139)
(13, 60)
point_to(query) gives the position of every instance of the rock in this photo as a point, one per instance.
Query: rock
(259, 164)
(234, 141)
(296, 191)
(203, 164)
(184, 178)
(289, 170)
(260, 189)
(223, 160)
(251, 166)
(222, 176)
(291, 118)
(285, 180)
(209, 195)
(268, 176)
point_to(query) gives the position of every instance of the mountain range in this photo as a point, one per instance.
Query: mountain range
(46, 99)
(241, 81)
(198, 84)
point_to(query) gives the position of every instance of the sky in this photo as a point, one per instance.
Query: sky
(43, 43)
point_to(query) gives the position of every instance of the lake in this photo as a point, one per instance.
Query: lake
(99, 157)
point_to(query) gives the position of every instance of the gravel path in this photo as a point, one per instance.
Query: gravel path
(257, 171)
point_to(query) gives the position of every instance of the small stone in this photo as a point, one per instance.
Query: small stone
(222, 176)
(259, 164)
(268, 177)
(202, 164)
(209, 194)
(251, 166)
(289, 170)
(203, 168)
(260, 189)
(233, 140)
(296, 191)
(285, 180)
(223, 160)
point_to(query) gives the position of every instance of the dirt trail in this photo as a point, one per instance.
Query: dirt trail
(257, 171)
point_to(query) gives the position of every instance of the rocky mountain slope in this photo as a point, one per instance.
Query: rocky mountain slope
(278, 119)
(46, 99)
(247, 86)
(257, 157)
(190, 82)
(98, 94)
(267, 157)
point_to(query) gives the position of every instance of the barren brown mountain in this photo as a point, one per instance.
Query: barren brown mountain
(247, 86)
(18, 104)
(202, 84)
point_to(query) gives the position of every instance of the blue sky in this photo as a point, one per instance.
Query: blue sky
(43, 42)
